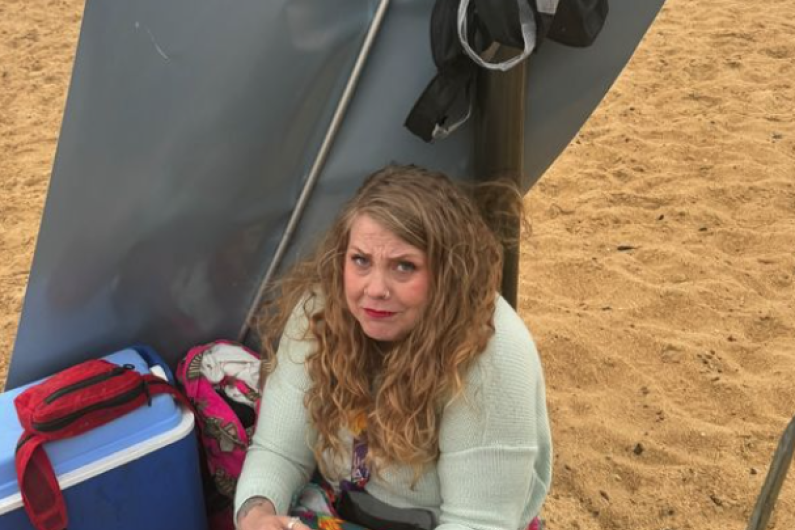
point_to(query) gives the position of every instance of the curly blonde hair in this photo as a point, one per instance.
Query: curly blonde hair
(399, 389)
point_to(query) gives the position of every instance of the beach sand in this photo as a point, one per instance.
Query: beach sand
(658, 278)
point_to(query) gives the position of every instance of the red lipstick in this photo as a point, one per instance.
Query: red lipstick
(372, 313)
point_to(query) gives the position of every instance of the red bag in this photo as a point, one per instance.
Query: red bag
(69, 403)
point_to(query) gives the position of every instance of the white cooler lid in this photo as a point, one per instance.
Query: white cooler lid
(127, 438)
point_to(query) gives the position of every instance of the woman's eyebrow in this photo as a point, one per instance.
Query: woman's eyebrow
(405, 256)
(411, 255)
(357, 250)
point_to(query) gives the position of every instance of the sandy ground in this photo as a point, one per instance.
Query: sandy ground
(37, 47)
(658, 279)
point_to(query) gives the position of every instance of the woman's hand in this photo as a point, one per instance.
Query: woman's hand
(259, 520)
(258, 513)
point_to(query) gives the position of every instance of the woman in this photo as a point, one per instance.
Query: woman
(399, 354)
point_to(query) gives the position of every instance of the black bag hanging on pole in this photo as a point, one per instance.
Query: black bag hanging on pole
(466, 34)
(578, 22)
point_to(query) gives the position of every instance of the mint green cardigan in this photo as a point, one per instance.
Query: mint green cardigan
(495, 462)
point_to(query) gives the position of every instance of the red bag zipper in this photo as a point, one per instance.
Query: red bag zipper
(88, 382)
(60, 423)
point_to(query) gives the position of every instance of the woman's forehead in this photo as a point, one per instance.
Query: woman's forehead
(369, 236)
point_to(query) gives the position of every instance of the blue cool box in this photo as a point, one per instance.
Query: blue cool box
(140, 471)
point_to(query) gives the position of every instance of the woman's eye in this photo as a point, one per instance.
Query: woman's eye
(406, 266)
(359, 260)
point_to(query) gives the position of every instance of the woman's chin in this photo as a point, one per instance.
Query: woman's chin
(382, 333)
(380, 336)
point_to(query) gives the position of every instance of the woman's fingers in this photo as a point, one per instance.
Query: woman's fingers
(260, 521)
(293, 523)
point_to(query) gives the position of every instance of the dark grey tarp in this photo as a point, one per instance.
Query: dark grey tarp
(190, 129)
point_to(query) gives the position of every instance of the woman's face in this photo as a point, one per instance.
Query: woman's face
(386, 280)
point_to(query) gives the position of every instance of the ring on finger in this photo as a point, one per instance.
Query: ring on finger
(293, 522)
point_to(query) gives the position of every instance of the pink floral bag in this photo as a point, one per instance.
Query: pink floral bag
(221, 380)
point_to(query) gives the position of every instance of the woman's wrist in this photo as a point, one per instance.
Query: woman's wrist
(254, 504)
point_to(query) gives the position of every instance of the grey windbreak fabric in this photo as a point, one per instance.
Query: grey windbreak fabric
(190, 129)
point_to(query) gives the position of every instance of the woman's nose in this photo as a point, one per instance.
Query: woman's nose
(377, 286)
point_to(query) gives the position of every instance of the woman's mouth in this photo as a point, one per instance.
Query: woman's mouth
(373, 313)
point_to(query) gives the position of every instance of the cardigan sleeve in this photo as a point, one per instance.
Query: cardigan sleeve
(495, 448)
(280, 460)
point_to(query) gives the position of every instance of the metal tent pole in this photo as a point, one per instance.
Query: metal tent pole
(499, 153)
(317, 167)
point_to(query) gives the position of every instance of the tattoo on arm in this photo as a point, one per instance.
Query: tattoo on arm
(249, 505)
